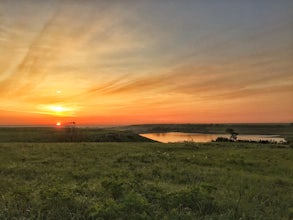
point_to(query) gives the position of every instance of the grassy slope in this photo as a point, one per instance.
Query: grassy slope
(51, 134)
(145, 180)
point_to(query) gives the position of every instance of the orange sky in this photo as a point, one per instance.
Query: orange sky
(104, 62)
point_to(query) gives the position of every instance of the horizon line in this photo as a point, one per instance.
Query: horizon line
(145, 124)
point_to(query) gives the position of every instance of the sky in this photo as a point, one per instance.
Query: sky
(146, 61)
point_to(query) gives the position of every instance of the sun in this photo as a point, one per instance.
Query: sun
(58, 109)
(58, 123)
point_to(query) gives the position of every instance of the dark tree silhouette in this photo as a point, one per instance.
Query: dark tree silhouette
(71, 131)
(233, 134)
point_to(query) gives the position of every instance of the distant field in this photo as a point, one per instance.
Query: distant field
(145, 181)
(131, 133)
(63, 134)
(278, 129)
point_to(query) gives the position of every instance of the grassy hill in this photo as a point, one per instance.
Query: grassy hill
(65, 134)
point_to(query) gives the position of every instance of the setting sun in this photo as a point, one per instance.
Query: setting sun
(58, 124)
(58, 109)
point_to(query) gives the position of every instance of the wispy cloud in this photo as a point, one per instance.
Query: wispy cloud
(140, 57)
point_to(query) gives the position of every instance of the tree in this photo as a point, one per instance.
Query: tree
(71, 131)
(233, 134)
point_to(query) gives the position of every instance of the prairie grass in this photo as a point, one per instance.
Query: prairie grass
(145, 181)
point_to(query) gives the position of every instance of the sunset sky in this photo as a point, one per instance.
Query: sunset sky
(146, 61)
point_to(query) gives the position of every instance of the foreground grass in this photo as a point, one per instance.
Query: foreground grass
(145, 181)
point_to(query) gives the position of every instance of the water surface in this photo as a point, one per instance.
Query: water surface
(167, 137)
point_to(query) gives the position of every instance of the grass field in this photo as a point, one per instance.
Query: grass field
(145, 181)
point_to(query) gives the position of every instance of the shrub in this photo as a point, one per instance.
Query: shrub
(126, 196)
(222, 139)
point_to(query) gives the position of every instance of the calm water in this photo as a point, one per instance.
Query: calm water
(199, 137)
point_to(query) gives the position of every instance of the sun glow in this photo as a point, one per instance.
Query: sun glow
(58, 109)
(58, 124)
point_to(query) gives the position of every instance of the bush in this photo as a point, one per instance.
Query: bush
(222, 139)
(126, 197)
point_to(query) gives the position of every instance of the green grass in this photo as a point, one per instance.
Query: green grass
(145, 181)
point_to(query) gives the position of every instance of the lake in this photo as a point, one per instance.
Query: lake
(200, 137)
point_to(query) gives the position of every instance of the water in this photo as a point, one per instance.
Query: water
(200, 137)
